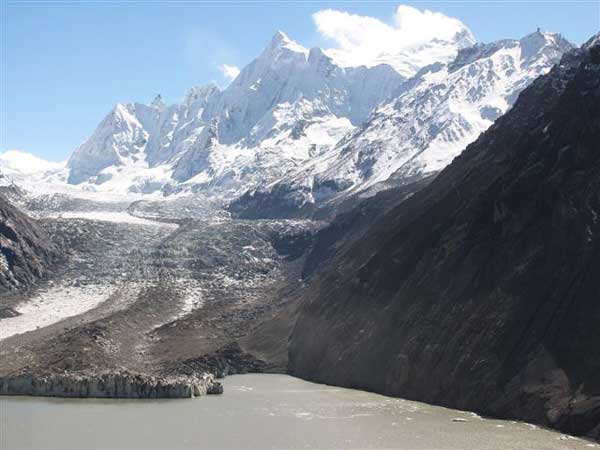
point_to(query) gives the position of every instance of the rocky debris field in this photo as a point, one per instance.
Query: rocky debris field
(161, 295)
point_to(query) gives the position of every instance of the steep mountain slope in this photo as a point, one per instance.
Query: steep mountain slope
(26, 251)
(346, 227)
(481, 291)
(437, 113)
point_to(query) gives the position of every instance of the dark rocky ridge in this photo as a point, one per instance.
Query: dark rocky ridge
(481, 291)
(281, 202)
(285, 202)
(26, 251)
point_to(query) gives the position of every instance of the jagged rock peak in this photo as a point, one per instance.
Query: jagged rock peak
(543, 42)
(533, 45)
(203, 92)
(281, 40)
(158, 102)
(464, 38)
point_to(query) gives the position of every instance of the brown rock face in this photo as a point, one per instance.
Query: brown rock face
(26, 251)
(481, 291)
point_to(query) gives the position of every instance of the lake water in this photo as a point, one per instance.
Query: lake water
(263, 411)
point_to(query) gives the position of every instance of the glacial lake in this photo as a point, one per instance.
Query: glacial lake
(263, 411)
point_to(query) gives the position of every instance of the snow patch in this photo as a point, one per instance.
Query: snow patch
(53, 305)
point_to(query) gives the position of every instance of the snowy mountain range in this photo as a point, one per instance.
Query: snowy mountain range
(302, 127)
(283, 107)
(434, 116)
(286, 107)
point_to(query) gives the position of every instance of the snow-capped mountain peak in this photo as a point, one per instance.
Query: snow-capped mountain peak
(542, 46)
(538, 48)
(464, 38)
(120, 138)
(122, 117)
(280, 40)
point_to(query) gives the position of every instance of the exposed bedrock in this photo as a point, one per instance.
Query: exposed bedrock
(27, 252)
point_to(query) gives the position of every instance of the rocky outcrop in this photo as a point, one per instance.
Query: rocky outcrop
(27, 252)
(280, 202)
(120, 384)
(229, 360)
(481, 291)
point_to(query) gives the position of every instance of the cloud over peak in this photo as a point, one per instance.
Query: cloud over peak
(364, 40)
(229, 72)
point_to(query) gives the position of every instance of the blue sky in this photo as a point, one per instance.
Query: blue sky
(65, 64)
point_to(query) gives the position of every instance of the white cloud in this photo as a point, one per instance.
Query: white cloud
(14, 161)
(367, 40)
(229, 72)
